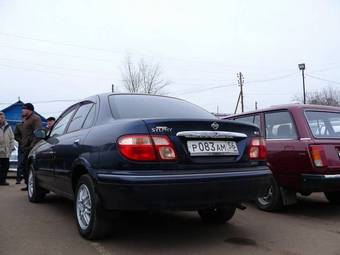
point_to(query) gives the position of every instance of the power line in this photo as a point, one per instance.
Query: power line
(234, 85)
(50, 101)
(268, 94)
(325, 69)
(274, 78)
(119, 52)
(322, 79)
(59, 43)
(210, 88)
(58, 54)
(55, 73)
(49, 66)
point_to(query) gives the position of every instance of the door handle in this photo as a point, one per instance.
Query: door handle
(76, 142)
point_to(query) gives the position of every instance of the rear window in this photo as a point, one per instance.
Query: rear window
(324, 124)
(143, 106)
(280, 125)
(252, 119)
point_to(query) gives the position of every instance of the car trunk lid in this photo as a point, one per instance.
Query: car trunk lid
(205, 141)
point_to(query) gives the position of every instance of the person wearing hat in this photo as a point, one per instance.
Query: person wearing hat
(31, 123)
(6, 147)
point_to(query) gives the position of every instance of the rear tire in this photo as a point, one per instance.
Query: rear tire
(272, 200)
(35, 193)
(218, 215)
(90, 216)
(333, 197)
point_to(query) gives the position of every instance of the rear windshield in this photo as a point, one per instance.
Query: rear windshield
(143, 106)
(324, 124)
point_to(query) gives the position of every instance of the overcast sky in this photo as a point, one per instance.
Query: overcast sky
(68, 50)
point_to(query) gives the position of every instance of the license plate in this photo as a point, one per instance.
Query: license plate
(212, 148)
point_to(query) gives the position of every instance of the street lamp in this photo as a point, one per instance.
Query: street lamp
(302, 67)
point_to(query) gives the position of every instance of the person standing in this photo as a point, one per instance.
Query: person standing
(6, 147)
(31, 123)
(18, 138)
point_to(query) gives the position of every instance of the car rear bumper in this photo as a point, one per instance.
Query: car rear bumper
(181, 191)
(320, 182)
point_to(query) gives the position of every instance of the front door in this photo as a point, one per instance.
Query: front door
(69, 147)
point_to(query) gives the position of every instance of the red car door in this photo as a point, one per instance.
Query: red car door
(287, 154)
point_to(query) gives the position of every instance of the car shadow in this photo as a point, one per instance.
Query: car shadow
(162, 229)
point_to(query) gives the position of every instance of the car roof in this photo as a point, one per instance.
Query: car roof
(290, 107)
(136, 94)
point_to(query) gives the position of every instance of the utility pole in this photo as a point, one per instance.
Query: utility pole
(113, 88)
(238, 101)
(255, 105)
(240, 83)
(302, 67)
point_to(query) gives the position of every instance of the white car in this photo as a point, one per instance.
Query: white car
(13, 161)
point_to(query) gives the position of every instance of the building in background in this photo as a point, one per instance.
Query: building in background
(13, 114)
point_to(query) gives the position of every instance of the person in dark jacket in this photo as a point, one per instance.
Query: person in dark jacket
(18, 137)
(6, 148)
(31, 123)
(50, 124)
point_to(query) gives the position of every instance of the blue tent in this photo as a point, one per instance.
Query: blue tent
(13, 114)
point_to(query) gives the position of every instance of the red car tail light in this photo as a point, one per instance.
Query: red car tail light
(147, 148)
(318, 155)
(137, 147)
(257, 149)
(164, 147)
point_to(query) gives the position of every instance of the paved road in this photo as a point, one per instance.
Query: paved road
(311, 227)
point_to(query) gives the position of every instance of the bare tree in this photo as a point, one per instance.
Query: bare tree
(142, 77)
(327, 96)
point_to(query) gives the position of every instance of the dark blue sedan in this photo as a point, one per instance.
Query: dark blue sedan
(123, 152)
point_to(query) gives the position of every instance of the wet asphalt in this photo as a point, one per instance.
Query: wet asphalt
(310, 227)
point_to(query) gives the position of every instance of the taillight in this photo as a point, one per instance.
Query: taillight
(147, 148)
(318, 155)
(164, 148)
(257, 149)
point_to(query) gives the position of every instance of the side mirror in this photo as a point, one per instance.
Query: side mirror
(40, 133)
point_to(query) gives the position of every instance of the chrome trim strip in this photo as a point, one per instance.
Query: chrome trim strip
(330, 176)
(211, 134)
(172, 176)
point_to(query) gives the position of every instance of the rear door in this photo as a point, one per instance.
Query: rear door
(287, 155)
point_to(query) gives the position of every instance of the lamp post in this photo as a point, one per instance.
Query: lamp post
(302, 67)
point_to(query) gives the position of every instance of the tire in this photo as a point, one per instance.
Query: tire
(333, 197)
(90, 216)
(218, 215)
(272, 200)
(35, 193)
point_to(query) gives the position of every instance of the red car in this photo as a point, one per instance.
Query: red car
(303, 143)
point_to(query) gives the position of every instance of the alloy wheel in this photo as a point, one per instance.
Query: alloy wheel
(30, 184)
(84, 207)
